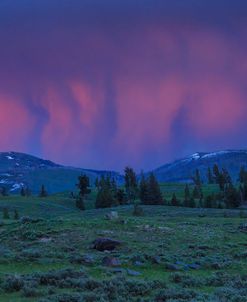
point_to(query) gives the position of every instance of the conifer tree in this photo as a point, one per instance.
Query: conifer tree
(196, 192)
(186, 196)
(43, 192)
(197, 178)
(83, 186)
(121, 196)
(216, 173)
(105, 197)
(232, 198)
(23, 193)
(16, 215)
(210, 176)
(208, 202)
(192, 203)
(242, 174)
(154, 193)
(174, 200)
(4, 191)
(131, 185)
(6, 213)
(143, 191)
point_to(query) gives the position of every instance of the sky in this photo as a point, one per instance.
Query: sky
(105, 84)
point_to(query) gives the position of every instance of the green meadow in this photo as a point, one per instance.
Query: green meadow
(166, 254)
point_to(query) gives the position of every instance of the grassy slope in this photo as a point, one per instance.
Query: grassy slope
(175, 234)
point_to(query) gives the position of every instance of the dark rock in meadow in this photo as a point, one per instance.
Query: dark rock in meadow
(111, 261)
(138, 263)
(172, 267)
(243, 227)
(82, 259)
(194, 266)
(118, 270)
(27, 219)
(105, 244)
(155, 259)
(113, 215)
(133, 273)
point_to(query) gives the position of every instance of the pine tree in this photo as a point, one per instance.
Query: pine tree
(208, 202)
(196, 192)
(80, 203)
(105, 197)
(154, 196)
(121, 197)
(23, 193)
(174, 201)
(216, 173)
(232, 198)
(83, 186)
(6, 213)
(210, 176)
(192, 203)
(131, 185)
(186, 196)
(28, 192)
(43, 192)
(4, 191)
(242, 174)
(197, 178)
(96, 183)
(143, 189)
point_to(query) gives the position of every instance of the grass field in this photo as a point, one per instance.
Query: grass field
(169, 254)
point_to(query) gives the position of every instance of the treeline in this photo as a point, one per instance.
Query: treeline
(25, 191)
(109, 194)
(147, 190)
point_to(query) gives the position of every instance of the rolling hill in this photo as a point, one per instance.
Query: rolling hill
(182, 170)
(19, 169)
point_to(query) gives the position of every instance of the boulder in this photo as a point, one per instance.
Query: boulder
(243, 227)
(105, 244)
(111, 261)
(133, 273)
(113, 215)
(172, 267)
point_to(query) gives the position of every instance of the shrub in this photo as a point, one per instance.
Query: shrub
(6, 213)
(138, 210)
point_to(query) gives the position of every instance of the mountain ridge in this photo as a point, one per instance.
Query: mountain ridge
(20, 169)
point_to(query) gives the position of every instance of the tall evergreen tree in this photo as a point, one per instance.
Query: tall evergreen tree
(23, 192)
(4, 191)
(210, 176)
(43, 192)
(242, 174)
(143, 190)
(154, 192)
(232, 198)
(121, 196)
(6, 213)
(197, 178)
(174, 201)
(83, 187)
(131, 185)
(105, 197)
(186, 196)
(208, 201)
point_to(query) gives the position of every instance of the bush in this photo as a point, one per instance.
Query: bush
(138, 210)
(6, 213)
(13, 283)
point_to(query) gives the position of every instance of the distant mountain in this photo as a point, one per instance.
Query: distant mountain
(182, 170)
(19, 169)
